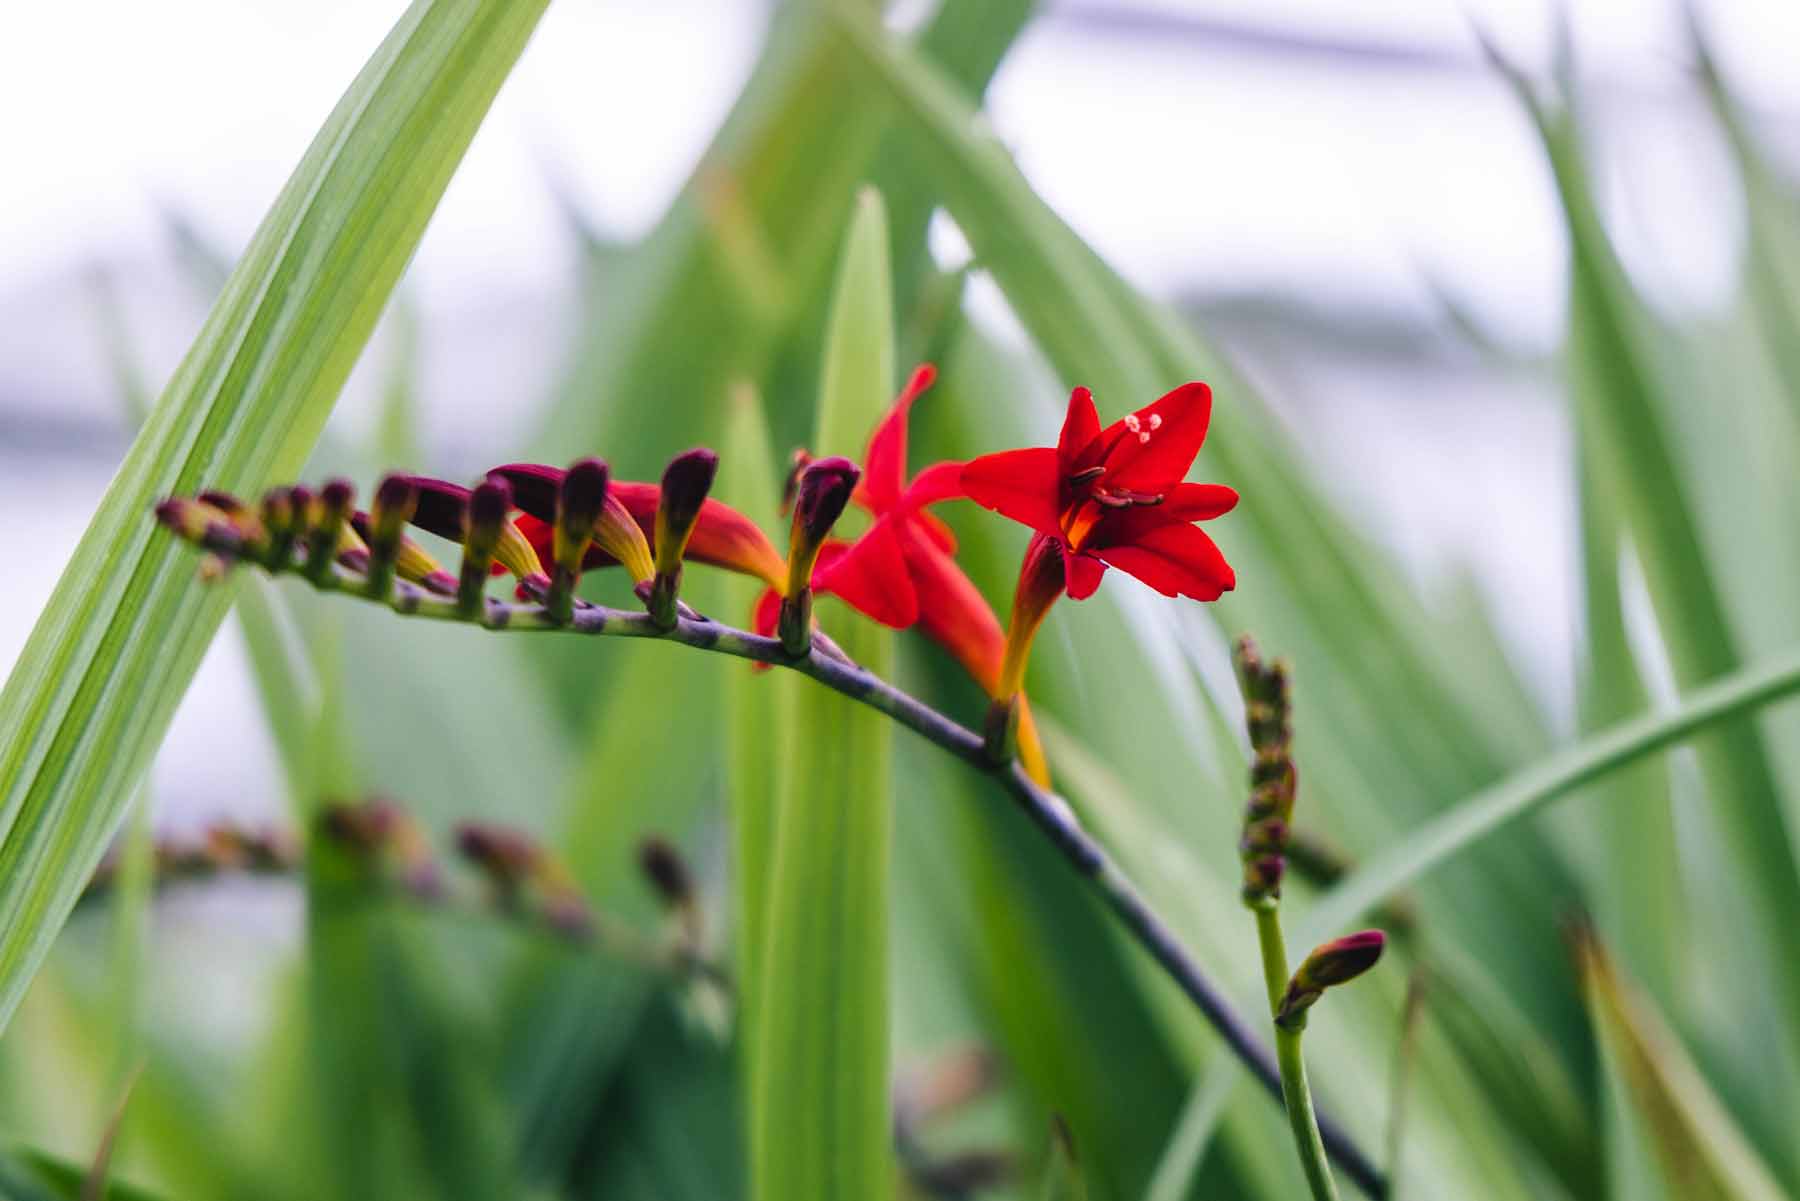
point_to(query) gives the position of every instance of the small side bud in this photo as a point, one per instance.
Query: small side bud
(686, 482)
(824, 489)
(1330, 964)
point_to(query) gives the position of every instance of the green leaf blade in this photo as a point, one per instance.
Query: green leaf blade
(99, 679)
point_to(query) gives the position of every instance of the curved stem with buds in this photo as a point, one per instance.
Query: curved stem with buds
(822, 663)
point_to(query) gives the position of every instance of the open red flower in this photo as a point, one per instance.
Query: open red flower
(1116, 496)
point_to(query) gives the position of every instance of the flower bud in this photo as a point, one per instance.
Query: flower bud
(280, 520)
(193, 520)
(1330, 964)
(1042, 578)
(685, 483)
(383, 528)
(488, 506)
(579, 501)
(668, 874)
(327, 522)
(824, 489)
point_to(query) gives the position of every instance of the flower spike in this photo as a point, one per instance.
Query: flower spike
(824, 489)
(685, 482)
(1274, 780)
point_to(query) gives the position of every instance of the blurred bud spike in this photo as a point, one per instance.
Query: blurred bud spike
(666, 870)
(386, 838)
(507, 857)
(1330, 964)
(1274, 779)
(686, 482)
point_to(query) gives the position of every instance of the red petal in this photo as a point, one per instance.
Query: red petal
(1157, 455)
(722, 537)
(938, 482)
(884, 465)
(1176, 560)
(767, 614)
(870, 576)
(1187, 504)
(1082, 574)
(952, 611)
(1080, 427)
(534, 487)
(1024, 485)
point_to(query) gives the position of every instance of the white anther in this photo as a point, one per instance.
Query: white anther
(1131, 422)
(1142, 438)
(1156, 421)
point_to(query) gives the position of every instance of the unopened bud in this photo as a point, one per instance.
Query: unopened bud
(383, 528)
(1330, 964)
(667, 871)
(488, 506)
(327, 523)
(824, 489)
(685, 484)
(280, 520)
(579, 501)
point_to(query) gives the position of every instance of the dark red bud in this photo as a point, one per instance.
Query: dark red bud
(825, 488)
(686, 481)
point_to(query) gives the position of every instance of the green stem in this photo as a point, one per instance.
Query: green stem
(1296, 1094)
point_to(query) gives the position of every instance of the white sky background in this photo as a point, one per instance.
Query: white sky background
(1346, 184)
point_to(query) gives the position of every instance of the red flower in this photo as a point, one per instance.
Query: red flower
(1116, 496)
(901, 572)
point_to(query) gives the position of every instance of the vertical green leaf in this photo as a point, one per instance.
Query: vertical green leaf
(757, 741)
(821, 1126)
(98, 681)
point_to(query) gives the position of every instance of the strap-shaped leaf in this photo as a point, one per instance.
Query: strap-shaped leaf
(821, 1125)
(99, 678)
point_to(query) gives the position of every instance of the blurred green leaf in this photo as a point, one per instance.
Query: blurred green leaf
(821, 1125)
(758, 740)
(1546, 780)
(1706, 1157)
(1062, 1171)
(99, 678)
